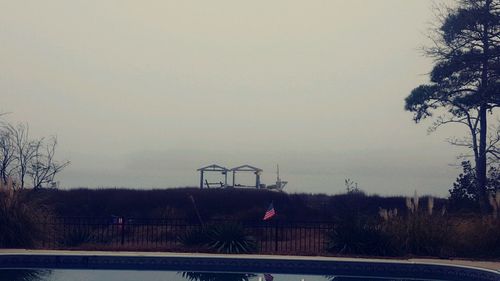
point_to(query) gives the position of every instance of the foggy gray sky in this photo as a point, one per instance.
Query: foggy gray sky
(142, 93)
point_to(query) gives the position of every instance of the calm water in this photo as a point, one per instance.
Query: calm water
(126, 275)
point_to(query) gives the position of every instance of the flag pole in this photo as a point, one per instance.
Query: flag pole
(196, 210)
(275, 236)
(275, 233)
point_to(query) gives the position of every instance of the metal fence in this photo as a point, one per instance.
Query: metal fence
(163, 234)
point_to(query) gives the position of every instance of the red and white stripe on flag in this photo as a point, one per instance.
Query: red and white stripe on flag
(270, 212)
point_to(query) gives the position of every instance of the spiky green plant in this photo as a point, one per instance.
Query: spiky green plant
(76, 237)
(230, 238)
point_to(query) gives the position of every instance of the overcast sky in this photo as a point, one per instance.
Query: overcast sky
(142, 93)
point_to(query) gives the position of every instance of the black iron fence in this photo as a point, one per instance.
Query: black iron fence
(163, 234)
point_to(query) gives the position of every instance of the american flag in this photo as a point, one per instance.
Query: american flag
(268, 277)
(270, 212)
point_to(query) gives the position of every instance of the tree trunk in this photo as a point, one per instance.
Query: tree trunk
(481, 162)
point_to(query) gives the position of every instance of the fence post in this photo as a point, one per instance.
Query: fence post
(276, 236)
(122, 219)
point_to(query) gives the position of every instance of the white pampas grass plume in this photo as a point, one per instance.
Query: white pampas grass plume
(493, 202)
(497, 198)
(393, 213)
(383, 213)
(415, 201)
(430, 205)
(8, 188)
(409, 204)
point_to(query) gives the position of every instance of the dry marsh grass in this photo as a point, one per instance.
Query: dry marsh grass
(20, 219)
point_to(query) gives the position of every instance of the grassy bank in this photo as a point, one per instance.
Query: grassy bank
(239, 204)
(358, 224)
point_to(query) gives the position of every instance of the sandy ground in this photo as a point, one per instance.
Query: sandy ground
(492, 265)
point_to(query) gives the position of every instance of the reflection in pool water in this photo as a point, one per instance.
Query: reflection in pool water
(146, 275)
(23, 274)
(214, 276)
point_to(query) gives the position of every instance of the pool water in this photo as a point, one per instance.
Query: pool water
(139, 275)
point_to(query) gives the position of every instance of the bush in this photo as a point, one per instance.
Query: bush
(464, 195)
(194, 237)
(21, 222)
(359, 237)
(477, 237)
(421, 235)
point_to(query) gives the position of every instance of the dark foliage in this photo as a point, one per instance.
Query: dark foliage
(242, 204)
(421, 235)
(464, 194)
(476, 237)
(20, 219)
(76, 237)
(195, 237)
(359, 236)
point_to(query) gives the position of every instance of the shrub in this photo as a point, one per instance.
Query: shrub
(422, 235)
(464, 195)
(194, 237)
(21, 222)
(489, 243)
(477, 237)
(360, 237)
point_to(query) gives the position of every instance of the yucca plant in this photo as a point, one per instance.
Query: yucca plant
(76, 237)
(230, 238)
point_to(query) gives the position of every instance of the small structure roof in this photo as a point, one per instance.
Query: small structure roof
(214, 167)
(246, 168)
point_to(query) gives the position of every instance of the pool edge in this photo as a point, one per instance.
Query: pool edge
(241, 263)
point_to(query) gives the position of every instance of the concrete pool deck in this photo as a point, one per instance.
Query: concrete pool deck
(489, 265)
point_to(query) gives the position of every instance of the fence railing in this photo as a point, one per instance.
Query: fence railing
(282, 237)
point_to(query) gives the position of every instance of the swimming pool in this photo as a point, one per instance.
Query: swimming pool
(58, 266)
(134, 275)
